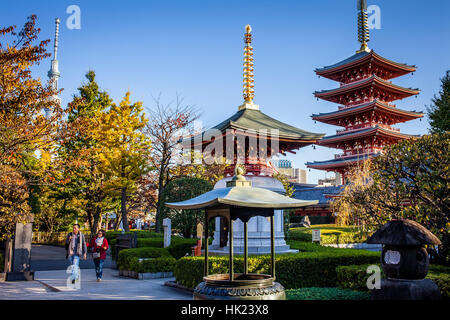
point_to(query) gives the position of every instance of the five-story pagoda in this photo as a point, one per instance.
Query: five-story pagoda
(365, 96)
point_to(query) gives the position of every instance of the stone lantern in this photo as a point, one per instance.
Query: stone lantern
(405, 261)
(239, 200)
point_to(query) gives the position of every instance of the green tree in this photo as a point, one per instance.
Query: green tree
(123, 149)
(183, 189)
(77, 155)
(439, 112)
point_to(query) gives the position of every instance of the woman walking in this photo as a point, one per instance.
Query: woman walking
(99, 245)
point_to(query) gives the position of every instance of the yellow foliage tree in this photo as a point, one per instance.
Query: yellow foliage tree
(123, 150)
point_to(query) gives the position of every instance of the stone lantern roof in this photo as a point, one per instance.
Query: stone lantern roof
(403, 232)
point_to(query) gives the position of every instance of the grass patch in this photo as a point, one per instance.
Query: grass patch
(330, 234)
(325, 294)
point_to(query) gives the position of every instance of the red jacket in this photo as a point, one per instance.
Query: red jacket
(104, 245)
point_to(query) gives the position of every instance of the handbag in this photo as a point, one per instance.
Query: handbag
(96, 254)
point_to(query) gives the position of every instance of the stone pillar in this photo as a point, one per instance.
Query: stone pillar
(167, 224)
(18, 253)
(22, 247)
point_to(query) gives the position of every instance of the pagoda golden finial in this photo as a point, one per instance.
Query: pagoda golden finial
(363, 26)
(248, 91)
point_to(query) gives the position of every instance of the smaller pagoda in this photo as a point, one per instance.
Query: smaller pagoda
(238, 134)
(365, 97)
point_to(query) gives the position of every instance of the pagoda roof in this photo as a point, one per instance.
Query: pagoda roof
(370, 81)
(250, 119)
(364, 133)
(339, 162)
(375, 105)
(364, 58)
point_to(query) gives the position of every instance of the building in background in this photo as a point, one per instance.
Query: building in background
(332, 181)
(294, 175)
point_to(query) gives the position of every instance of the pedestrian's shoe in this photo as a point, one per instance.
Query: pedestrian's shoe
(98, 279)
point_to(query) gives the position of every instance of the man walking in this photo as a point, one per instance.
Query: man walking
(76, 249)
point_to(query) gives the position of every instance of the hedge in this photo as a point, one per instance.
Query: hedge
(126, 255)
(163, 264)
(140, 234)
(325, 294)
(355, 277)
(306, 269)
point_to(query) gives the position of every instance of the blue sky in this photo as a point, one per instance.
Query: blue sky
(194, 48)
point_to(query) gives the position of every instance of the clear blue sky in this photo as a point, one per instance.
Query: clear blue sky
(195, 48)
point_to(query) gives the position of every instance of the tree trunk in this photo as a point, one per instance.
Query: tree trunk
(123, 208)
(97, 220)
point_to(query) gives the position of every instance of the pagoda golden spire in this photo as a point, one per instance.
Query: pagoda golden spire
(248, 91)
(363, 26)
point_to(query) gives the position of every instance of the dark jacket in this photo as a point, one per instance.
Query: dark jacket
(82, 248)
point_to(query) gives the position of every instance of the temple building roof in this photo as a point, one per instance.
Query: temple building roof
(248, 119)
(365, 57)
(322, 194)
(339, 162)
(375, 105)
(373, 81)
(364, 133)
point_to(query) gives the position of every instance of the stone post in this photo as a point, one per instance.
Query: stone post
(167, 224)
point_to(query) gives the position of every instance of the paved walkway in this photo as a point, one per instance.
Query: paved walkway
(112, 287)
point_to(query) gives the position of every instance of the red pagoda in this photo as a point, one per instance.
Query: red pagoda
(366, 111)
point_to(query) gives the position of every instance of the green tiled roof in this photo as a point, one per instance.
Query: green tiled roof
(249, 119)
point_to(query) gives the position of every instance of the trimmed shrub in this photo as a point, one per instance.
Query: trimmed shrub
(150, 242)
(163, 264)
(442, 280)
(179, 248)
(325, 294)
(126, 255)
(306, 269)
(355, 277)
(140, 234)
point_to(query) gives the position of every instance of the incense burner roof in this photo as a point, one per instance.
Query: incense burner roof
(241, 197)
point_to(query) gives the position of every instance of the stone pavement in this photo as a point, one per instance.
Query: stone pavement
(51, 285)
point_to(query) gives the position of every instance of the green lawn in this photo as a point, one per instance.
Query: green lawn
(330, 234)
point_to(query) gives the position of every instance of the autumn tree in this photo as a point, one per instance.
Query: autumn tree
(439, 111)
(123, 149)
(409, 180)
(23, 127)
(164, 129)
